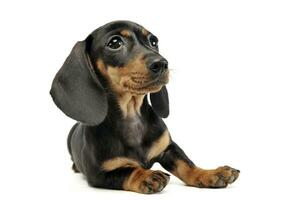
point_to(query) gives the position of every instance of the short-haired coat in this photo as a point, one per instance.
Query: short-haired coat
(104, 84)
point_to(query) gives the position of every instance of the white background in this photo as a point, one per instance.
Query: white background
(228, 92)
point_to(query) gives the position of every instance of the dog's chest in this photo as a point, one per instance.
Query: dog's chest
(134, 129)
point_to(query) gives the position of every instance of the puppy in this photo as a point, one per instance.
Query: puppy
(104, 84)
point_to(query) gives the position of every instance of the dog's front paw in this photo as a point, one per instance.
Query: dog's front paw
(146, 181)
(153, 182)
(218, 178)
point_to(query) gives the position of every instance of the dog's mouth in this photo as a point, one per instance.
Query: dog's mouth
(140, 83)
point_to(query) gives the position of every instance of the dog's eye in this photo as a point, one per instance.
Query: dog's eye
(115, 42)
(153, 41)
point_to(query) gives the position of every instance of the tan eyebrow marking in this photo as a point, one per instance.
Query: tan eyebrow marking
(125, 33)
(145, 32)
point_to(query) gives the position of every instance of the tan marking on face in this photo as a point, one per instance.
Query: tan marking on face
(159, 145)
(101, 67)
(130, 83)
(133, 77)
(145, 32)
(126, 82)
(120, 75)
(115, 163)
(125, 33)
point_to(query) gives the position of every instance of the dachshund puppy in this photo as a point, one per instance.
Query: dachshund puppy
(105, 84)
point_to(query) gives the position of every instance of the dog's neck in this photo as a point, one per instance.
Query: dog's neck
(132, 127)
(130, 104)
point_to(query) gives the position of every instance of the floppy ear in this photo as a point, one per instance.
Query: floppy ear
(76, 90)
(160, 102)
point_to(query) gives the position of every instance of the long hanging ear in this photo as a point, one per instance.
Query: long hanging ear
(160, 102)
(76, 90)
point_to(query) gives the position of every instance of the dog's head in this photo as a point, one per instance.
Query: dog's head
(127, 56)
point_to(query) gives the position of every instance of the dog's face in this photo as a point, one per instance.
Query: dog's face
(128, 55)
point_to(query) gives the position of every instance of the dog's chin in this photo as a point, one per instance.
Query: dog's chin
(145, 87)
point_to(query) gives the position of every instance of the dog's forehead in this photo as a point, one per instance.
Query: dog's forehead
(119, 26)
(123, 25)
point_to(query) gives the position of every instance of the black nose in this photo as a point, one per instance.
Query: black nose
(159, 66)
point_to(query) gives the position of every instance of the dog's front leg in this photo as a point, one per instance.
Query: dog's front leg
(136, 179)
(174, 160)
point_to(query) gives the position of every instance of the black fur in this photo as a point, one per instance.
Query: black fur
(76, 89)
(101, 132)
